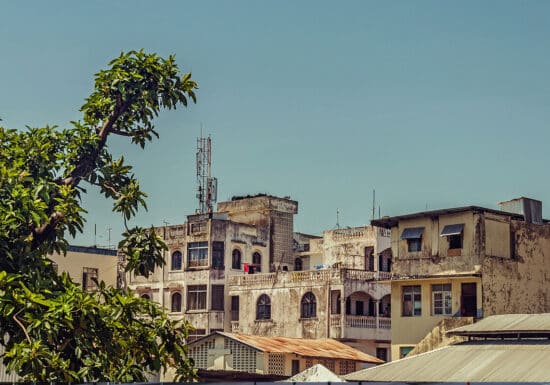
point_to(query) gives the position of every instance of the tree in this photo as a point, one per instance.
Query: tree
(53, 330)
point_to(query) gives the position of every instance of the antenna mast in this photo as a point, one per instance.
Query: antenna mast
(207, 192)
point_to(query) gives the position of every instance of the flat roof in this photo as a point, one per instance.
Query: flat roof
(324, 348)
(474, 361)
(388, 222)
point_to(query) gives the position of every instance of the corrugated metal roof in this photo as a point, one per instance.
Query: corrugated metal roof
(322, 348)
(412, 233)
(452, 229)
(479, 361)
(507, 324)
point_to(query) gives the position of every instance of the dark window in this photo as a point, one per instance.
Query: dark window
(196, 297)
(412, 301)
(468, 300)
(89, 278)
(234, 308)
(197, 254)
(369, 258)
(308, 306)
(414, 244)
(236, 259)
(217, 297)
(382, 353)
(372, 308)
(145, 296)
(359, 307)
(176, 260)
(176, 302)
(348, 306)
(295, 367)
(455, 241)
(263, 307)
(217, 255)
(257, 262)
(298, 264)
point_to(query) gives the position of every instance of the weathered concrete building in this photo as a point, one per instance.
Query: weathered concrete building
(331, 291)
(281, 356)
(466, 262)
(252, 234)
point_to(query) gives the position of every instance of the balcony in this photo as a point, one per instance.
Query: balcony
(360, 326)
(334, 275)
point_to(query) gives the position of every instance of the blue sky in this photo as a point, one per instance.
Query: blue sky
(433, 104)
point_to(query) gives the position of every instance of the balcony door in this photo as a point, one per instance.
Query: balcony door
(468, 300)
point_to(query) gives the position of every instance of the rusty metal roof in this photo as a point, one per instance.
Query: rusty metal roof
(479, 361)
(319, 348)
(511, 325)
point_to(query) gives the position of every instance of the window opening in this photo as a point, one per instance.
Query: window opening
(89, 278)
(196, 297)
(257, 262)
(197, 254)
(298, 264)
(217, 297)
(234, 308)
(217, 255)
(412, 301)
(263, 307)
(176, 302)
(236, 259)
(309, 306)
(176, 260)
(441, 299)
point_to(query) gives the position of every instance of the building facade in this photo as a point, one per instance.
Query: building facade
(466, 262)
(333, 290)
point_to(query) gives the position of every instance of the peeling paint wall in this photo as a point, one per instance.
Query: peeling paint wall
(521, 283)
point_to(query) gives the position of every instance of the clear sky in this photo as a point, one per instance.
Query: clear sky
(432, 103)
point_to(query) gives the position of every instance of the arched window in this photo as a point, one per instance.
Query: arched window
(309, 306)
(257, 262)
(176, 302)
(263, 307)
(236, 259)
(176, 260)
(145, 296)
(298, 264)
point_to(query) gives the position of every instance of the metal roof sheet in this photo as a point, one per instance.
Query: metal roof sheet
(504, 324)
(412, 233)
(323, 348)
(479, 361)
(452, 230)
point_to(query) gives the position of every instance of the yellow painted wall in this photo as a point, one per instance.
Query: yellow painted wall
(408, 331)
(74, 262)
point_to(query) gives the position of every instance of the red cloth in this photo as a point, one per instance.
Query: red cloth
(245, 267)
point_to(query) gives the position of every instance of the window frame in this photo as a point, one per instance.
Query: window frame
(236, 259)
(257, 261)
(446, 306)
(308, 306)
(87, 282)
(196, 294)
(218, 251)
(173, 307)
(263, 308)
(174, 261)
(414, 245)
(217, 300)
(411, 292)
(197, 254)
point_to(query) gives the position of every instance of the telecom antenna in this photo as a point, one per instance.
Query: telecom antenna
(207, 192)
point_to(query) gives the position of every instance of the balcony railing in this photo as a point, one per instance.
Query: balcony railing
(334, 274)
(360, 321)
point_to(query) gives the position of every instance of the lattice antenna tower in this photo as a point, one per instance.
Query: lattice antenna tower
(207, 192)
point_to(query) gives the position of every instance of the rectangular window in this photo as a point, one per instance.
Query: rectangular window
(234, 308)
(413, 235)
(217, 297)
(441, 299)
(412, 301)
(196, 297)
(195, 334)
(197, 254)
(382, 353)
(217, 255)
(404, 350)
(88, 275)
